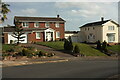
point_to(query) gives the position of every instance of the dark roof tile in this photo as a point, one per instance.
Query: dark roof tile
(20, 18)
(95, 23)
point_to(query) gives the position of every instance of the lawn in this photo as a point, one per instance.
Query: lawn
(84, 48)
(115, 48)
(6, 47)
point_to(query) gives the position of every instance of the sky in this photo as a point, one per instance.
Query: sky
(75, 14)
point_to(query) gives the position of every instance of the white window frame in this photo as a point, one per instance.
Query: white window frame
(37, 35)
(57, 24)
(47, 24)
(111, 28)
(36, 25)
(57, 34)
(26, 24)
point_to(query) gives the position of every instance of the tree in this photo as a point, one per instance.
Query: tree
(4, 10)
(18, 33)
(104, 46)
(66, 44)
(70, 44)
(98, 45)
(76, 49)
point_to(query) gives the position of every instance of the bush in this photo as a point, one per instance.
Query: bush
(76, 49)
(68, 44)
(25, 52)
(104, 47)
(10, 50)
(98, 45)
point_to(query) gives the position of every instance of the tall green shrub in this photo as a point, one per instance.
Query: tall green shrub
(104, 46)
(70, 44)
(98, 45)
(76, 49)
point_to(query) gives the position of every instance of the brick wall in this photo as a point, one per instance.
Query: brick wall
(6, 38)
(31, 37)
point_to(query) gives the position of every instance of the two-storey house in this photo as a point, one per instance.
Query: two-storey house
(104, 30)
(37, 29)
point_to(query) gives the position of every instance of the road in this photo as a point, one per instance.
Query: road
(70, 69)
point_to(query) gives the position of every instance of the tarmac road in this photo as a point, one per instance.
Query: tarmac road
(70, 69)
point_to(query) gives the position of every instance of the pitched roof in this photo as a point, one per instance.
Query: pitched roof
(20, 18)
(95, 23)
(71, 32)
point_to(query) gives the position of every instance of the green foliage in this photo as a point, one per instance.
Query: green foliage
(84, 48)
(5, 10)
(76, 49)
(10, 50)
(115, 48)
(104, 46)
(68, 44)
(98, 45)
(18, 32)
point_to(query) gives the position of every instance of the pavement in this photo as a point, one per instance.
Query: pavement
(19, 62)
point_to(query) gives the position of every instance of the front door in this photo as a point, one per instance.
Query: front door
(48, 36)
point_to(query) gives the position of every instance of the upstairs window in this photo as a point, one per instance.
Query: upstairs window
(57, 24)
(47, 24)
(110, 27)
(36, 24)
(25, 24)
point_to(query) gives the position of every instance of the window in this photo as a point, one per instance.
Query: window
(57, 34)
(25, 24)
(36, 24)
(88, 29)
(111, 37)
(47, 24)
(37, 35)
(110, 27)
(93, 28)
(57, 24)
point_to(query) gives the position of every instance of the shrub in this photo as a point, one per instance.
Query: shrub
(76, 49)
(104, 46)
(10, 50)
(98, 45)
(41, 53)
(68, 44)
(25, 52)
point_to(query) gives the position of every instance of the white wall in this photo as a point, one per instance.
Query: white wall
(74, 36)
(10, 37)
(105, 31)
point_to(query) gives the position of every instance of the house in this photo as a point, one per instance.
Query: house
(37, 29)
(103, 30)
(72, 34)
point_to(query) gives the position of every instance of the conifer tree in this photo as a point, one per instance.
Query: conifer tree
(18, 33)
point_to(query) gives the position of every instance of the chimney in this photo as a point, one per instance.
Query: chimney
(102, 18)
(58, 16)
